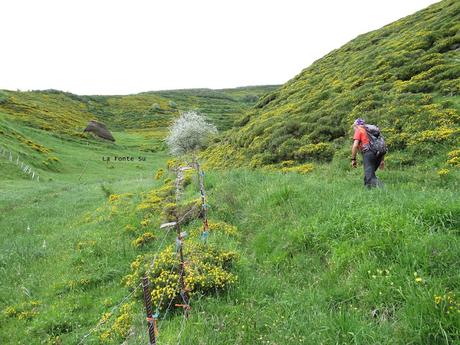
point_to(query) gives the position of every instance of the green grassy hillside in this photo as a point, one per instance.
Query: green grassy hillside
(61, 257)
(403, 77)
(143, 116)
(291, 258)
(221, 107)
(65, 112)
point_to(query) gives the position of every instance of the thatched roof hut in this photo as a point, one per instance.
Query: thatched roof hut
(99, 129)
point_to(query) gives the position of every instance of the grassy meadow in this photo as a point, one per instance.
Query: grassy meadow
(321, 260)
(51, 282)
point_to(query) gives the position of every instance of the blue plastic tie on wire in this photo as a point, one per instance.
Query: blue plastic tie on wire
(202, 173)
(156, 315)
(205, 235)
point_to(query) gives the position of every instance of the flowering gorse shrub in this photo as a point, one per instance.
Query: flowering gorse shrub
(23, 311)
(454, 158)
(147, 237)
(156, 198)
(159, 174)
(207, 269)
(216, 227)
(300, 169)
(320, 152)
(120, 328)
(189, 133)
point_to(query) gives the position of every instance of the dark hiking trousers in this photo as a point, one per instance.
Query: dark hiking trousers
(371, 163)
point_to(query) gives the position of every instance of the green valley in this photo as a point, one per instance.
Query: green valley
(297, 251)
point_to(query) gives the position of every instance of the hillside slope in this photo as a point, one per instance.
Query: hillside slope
(403, 77)
(146, 115)
(64, 112)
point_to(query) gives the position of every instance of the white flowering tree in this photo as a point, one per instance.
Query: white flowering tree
(189, 134)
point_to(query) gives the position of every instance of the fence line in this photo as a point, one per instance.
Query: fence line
(23, 166)
(179, 245)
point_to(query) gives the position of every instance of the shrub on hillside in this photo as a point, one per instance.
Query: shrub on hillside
(189, 133)
(323, 133)
(261, 159)
(207, 270)
(286, 150)
(155, 107)
(320, 152)
(300, 169)
(449, 87)
(454, 158)
(250, 98)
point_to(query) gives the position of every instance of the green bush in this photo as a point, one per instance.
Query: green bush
(319, 152)
(207, 271)
(450, 87)
(155, 107)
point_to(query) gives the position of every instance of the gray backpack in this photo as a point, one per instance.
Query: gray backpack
(376, 141)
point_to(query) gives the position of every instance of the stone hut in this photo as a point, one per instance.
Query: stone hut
(99, 129)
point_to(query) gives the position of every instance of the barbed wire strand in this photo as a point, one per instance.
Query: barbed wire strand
(158, 251)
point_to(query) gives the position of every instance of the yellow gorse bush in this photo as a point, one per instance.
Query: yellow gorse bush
(154, 199)
(147, 237)
(443, 172)
(300, 169)
(23, 311)
(434, 136)
(207, 269)
(223, 227)
(454, 158)
(159, 174)
(121, 326)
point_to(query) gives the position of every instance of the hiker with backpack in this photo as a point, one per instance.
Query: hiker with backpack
(368, 140)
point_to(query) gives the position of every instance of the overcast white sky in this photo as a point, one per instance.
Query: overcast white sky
(121, 47)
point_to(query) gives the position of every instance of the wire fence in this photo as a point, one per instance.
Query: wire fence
(179, 245)
(14, 158)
